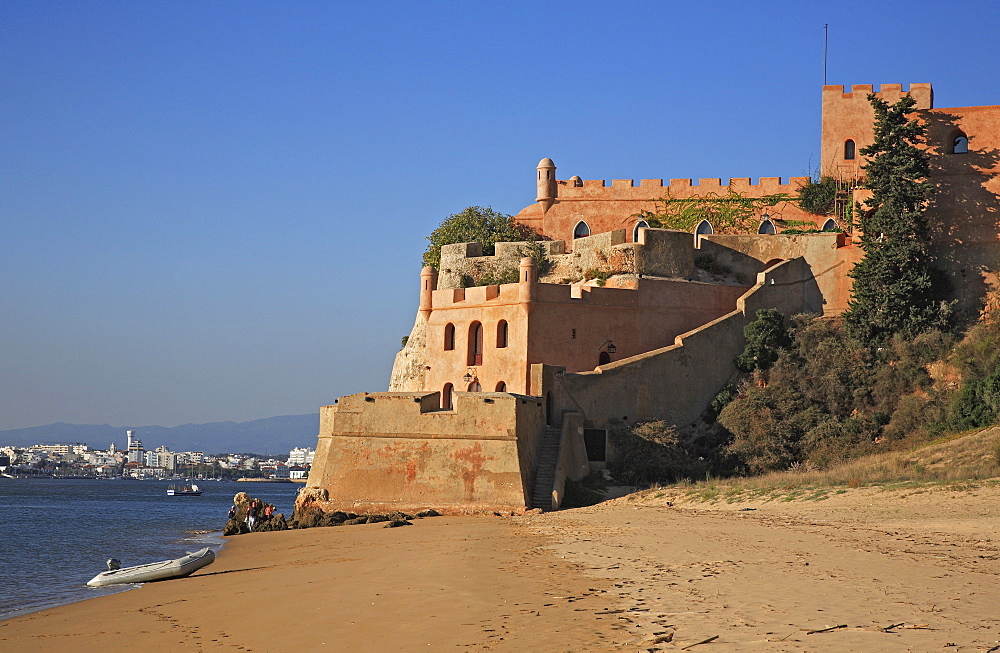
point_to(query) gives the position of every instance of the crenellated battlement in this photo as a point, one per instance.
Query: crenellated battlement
(570, 188)
(922, 93)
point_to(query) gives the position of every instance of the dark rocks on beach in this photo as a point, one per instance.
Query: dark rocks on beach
(311, 516)
(397, 522)
(275, 523)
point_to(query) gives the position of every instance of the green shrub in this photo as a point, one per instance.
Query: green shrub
(766, 337)
(818, 197)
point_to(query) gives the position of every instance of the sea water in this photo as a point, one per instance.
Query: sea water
(56, 534)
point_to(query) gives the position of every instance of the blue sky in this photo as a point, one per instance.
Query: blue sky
(216, 210)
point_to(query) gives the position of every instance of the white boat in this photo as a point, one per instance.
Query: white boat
(183, 490)
(162, 570)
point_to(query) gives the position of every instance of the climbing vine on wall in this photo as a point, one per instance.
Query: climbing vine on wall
(729, 213)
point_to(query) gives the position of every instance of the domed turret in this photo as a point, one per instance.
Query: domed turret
(546, 183)
(428, 284)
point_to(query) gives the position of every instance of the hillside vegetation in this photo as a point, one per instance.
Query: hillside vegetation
(816, 406)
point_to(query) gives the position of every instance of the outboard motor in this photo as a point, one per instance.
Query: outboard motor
(114, 563)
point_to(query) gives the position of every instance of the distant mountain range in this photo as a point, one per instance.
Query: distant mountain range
(272, 435)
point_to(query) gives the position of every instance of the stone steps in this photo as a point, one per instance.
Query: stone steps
(545, 473)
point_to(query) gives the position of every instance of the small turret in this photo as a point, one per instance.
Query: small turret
(428, 284)
(527, 275)
(546, 183)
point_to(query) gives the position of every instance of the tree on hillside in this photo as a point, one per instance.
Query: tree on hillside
(893, 285)
(766, 337)
(475, 224)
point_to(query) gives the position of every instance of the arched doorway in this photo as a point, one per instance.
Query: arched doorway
(641, 224)
(604, 358)
(582, 230)
(446, 396)
(475, 387)
(501, 387)
(831, 225)
(767, 227)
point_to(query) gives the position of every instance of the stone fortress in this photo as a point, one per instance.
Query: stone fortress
(504, 391)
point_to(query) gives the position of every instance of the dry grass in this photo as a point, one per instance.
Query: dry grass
(961, 461)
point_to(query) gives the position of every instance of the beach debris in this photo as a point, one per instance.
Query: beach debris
(658, 638)
(428, 512)
(704, 641)
(892, 626)
(826, 630)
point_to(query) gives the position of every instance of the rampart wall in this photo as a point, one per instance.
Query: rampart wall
(829, 256)
(606, 207)
(659, 252)
(399, 451)
(676, 383)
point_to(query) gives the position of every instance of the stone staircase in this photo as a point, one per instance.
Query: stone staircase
(545, 472)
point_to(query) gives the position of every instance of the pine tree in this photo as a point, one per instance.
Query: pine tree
(894, 283)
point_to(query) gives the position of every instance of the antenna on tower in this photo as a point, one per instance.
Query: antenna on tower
(826, 38)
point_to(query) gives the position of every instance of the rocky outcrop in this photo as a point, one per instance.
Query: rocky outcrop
(238, 523)
(309, 515)
(408, 368)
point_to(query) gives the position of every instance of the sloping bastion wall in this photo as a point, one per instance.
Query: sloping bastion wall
(390, 451)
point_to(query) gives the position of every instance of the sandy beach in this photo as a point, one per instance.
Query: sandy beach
(865, 570)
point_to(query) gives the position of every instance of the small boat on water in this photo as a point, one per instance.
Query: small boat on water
(177, 568)
(183, 490)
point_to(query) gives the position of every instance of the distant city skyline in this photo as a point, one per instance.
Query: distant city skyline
(212, 213)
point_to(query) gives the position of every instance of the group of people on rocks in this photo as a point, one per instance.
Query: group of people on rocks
(257, 512)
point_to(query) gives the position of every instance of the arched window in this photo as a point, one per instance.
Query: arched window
(831, 225)
(582, 230)
(501, 334)
(604, 358)
(501, 387)
(704, 228)
(849, 149)
(959, 143)
(641, 224)
(475, 387)
(476, 343)
(449, 336)
(446, 396)
(767, 227)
